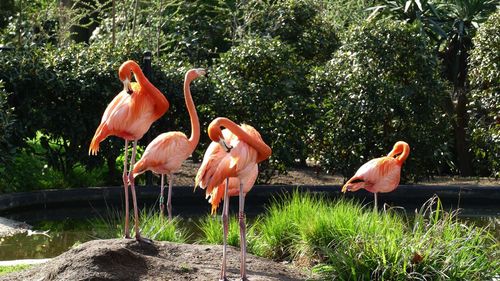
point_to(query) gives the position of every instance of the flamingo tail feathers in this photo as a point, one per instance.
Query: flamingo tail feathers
(100, 134)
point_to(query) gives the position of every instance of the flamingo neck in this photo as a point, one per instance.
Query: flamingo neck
(193, 115)
(159, 100)
(406, 152)
(263, 150)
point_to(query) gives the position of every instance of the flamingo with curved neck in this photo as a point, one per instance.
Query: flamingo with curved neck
(129, 116)
(166, 153)
(380, 174)
(233, 157)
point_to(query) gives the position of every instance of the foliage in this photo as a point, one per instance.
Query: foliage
(381, 86)
(485, 98)
(262, 83)
(7, 120)
(300, 23)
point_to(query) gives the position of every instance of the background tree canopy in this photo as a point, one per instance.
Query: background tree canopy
(321, 80)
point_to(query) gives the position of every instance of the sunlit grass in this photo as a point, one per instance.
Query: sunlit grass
(14, 268)
(344, 240)
(151, 225)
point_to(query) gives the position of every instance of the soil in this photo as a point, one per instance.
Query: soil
(315, 176)
(126, 259)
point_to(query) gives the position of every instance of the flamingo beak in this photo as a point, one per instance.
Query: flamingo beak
(226, 147)
(127, 86)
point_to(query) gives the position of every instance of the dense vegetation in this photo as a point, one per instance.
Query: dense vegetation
(324, 80)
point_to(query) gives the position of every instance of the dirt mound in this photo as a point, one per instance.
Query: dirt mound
(124, 259)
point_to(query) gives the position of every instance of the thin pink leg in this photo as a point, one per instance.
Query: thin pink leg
(125, 186)
(375, 196)
(162, 205)
(243, 240)
(169, 196)
(225, 223)
(134, 197)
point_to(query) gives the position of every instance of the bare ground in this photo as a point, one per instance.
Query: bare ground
(126, 259)
(10, 227)
(314, 176)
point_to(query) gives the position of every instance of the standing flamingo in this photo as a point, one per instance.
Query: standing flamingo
(165, 154)
(129, 116)
(233, 155)
(380, 174)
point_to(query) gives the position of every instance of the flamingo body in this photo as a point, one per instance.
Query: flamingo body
(380, 174)
(233, 157)
(166, 153)
(129, 116)
(239, 165)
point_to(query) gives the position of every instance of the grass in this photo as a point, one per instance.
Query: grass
(151, 225)
(14, 268)
(343, 240)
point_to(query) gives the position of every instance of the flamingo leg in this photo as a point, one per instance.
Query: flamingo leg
(243, 241)
(225, 222)
(162, 187)
(125, 186)
(169, 196)
(375, 196)
(134, 198)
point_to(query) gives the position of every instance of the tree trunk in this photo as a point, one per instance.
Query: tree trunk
(461, 140)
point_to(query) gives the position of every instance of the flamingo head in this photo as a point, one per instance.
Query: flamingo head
(194, 73)
(125, 74)
(215, 134)
(401, 150)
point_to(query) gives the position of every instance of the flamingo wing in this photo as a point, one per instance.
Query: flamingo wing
(164, 154)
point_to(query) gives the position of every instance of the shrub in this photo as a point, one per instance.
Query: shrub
(7, 120)
(262, 83)
(381, 86)
(300, 23)
(485, 98)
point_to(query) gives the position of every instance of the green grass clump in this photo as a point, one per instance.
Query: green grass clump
(151, 225)
(14, 268)
(211, 230)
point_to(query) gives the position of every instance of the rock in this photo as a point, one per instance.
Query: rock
(126, 259)
(10, 227)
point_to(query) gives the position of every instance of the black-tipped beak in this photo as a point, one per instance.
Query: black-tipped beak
(129, 90)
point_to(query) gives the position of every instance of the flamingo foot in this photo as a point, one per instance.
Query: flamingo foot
(127, 236)
(141, 239)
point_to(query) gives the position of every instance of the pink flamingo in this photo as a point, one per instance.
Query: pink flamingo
(129, 116)
(233, 155)
(380, 174)
(166, 153)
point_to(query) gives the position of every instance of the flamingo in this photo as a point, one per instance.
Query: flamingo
(380, 174)
(129, 116)
(165, 154)
(232, 156)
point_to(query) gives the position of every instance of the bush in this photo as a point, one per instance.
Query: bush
(262, 83)
(299, 23)
(485, 98)
(7, 120)
(380, 87)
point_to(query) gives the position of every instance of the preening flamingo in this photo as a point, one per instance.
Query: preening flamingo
(165, 154)
(380, 174)
(129, 116)
(232, 156)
